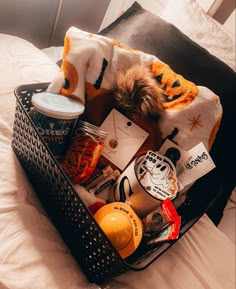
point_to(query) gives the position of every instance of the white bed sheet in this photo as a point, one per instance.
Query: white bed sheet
(32, 254)
(193, 21)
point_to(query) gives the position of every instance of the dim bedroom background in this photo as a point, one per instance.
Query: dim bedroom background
(195, 45)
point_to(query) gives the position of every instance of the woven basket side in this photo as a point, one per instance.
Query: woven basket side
(94, 253)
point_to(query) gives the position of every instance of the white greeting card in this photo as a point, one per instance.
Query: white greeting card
(199, 164)
(193, 164)
(123, 140)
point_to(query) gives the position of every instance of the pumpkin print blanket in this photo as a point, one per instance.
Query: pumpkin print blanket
(192, 113)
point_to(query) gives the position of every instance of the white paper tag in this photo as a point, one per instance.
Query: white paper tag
(123, 140)
(199, 164)
(193, 164)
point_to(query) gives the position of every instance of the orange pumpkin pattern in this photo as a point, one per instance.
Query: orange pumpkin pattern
(71, 78)
(90, 63)
(177, 91)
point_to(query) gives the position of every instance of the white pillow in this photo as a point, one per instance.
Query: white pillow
(54, 52)
(193, 21)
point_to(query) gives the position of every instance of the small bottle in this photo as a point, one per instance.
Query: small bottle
(84, 152)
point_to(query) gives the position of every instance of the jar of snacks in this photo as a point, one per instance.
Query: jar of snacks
(84, 152)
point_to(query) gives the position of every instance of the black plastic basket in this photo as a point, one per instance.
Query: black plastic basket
(88, 244)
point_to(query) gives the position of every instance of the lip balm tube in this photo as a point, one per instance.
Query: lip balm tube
(98, 177)
(110, 179)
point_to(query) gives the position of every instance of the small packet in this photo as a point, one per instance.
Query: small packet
(171, 232)
(160, 218)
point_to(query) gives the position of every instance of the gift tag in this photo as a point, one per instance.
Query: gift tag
(193, 164)
(123, 140)
(198, 164)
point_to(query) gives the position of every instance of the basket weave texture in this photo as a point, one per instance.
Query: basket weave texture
(88, 244)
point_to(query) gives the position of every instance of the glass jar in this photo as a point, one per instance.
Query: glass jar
(84, 152)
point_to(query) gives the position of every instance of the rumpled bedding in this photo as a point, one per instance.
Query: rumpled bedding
(33, 255)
